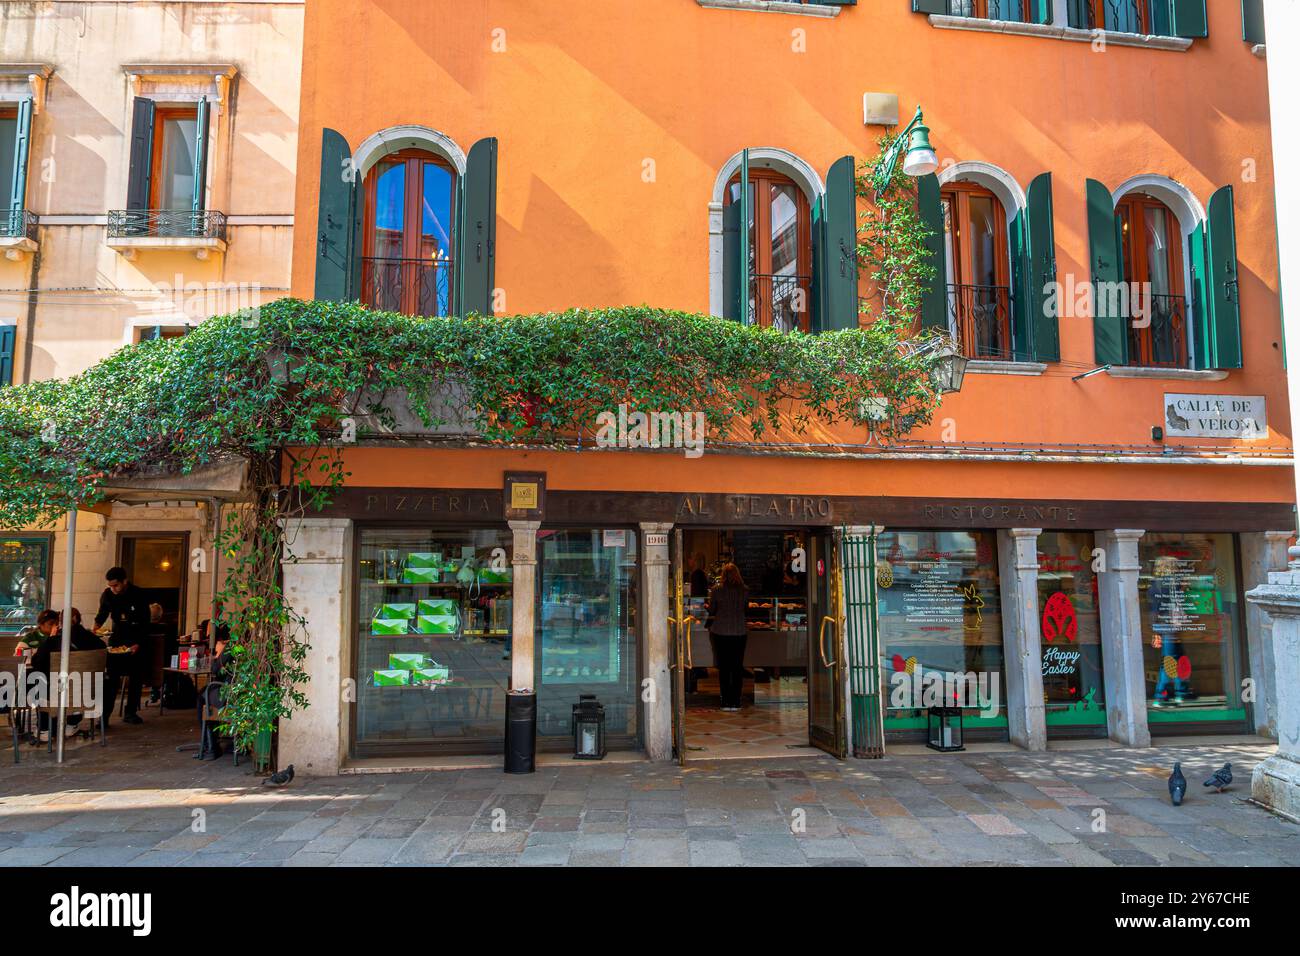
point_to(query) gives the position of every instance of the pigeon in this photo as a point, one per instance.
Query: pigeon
(1222, 777)
(280, 777)
(1177, 786)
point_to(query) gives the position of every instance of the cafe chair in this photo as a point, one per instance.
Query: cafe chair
(83, 667)
(15, 668)
(213, 714)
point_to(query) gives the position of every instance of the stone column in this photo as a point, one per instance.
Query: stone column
(1262, 553)
(523, 563)
(1022, 648)
(1276, 782)
(318, 582)
(1121, 638)
(657, 714)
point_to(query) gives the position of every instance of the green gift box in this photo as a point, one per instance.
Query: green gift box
(436, 624)
(421, 575)
(424, 559)
(444, 606)
(490, 576)
(389, 627)
(392, 611)
(397, 678)
(435, 674)
(407, 662)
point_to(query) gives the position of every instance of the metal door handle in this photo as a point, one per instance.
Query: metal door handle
(821, 641)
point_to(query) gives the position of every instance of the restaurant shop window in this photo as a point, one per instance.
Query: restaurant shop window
(434, 640)
(1073, 690)
(1192, 630)
(941, 628)
(586, 631)
(24, 581)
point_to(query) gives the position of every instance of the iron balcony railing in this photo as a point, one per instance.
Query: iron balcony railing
(17, 223)
(781, 301)
(980, 315)
(409, 286)
(1127, 16)
(166, 224)
(1159, 337)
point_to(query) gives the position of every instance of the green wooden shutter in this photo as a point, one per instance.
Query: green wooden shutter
(1040, 11)
(1161, 18)
(934, 293)
(479, 235)
(1223, 307)
(22, 149)
(731, 260)
(1197, 298)
(1252, 21)
(1040, 272)
(930, 6)
(838, 248)
(1022, 309)
(199, 202)
(1077, 12)
(8, 334)
(336, 253)
(1109, 325)
(1188, 19)
(141, 169)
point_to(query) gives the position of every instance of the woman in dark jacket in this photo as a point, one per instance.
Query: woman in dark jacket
(727, 634)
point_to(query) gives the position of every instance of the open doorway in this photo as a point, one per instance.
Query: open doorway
(780, 576)
(157, 564)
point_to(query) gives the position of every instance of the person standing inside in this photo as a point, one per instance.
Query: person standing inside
(728, 634)
(128, 608)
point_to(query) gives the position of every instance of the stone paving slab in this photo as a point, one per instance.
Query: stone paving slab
(140, 803)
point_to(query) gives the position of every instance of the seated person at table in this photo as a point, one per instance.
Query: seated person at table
(51, 625)
(213, 695)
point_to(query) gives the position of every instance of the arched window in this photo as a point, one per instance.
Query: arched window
(977, 261)
(1151, 244)
(780, 249)
(407, 248)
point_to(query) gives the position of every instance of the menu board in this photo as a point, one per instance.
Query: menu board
(933, 597)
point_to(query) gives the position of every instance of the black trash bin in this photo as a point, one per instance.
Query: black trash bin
(521, 732)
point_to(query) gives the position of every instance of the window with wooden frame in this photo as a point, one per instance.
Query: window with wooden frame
(407, 257)
(780, 250)
(172, 165)
(977, 257)
(1151, 242)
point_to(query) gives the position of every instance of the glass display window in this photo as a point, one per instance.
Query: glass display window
(1070, 629)
(24, 580)
(940, 619)
(1191, 628)
(435, 610)
(586, 628)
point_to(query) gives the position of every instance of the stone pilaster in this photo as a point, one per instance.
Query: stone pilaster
(1262, 553)
(656, 587)
(523, 562)
(1276, 782)
(1121, 638)
(1022, 649)
(318, 580)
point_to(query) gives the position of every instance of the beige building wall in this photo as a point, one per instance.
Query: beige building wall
(75, 298)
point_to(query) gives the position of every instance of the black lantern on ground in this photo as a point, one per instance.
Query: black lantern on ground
(588, 728)
(945, 732)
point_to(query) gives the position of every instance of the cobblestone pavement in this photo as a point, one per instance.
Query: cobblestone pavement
(136, 801)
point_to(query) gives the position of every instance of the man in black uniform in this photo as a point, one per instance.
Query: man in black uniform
(127, 605)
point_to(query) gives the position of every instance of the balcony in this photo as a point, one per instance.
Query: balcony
(409, 286)
(781, 301)
(17, 232)
(1162, 343)
(130, 230)
(980, 317)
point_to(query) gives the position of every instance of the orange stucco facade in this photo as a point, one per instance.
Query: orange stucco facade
(586, 97)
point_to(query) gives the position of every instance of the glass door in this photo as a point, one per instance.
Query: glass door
(679, 634)
(826, 730)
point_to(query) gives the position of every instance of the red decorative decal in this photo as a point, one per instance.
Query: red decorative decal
(1157, 642)
(1184, 667)
(899, 664)
(1059, 618)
